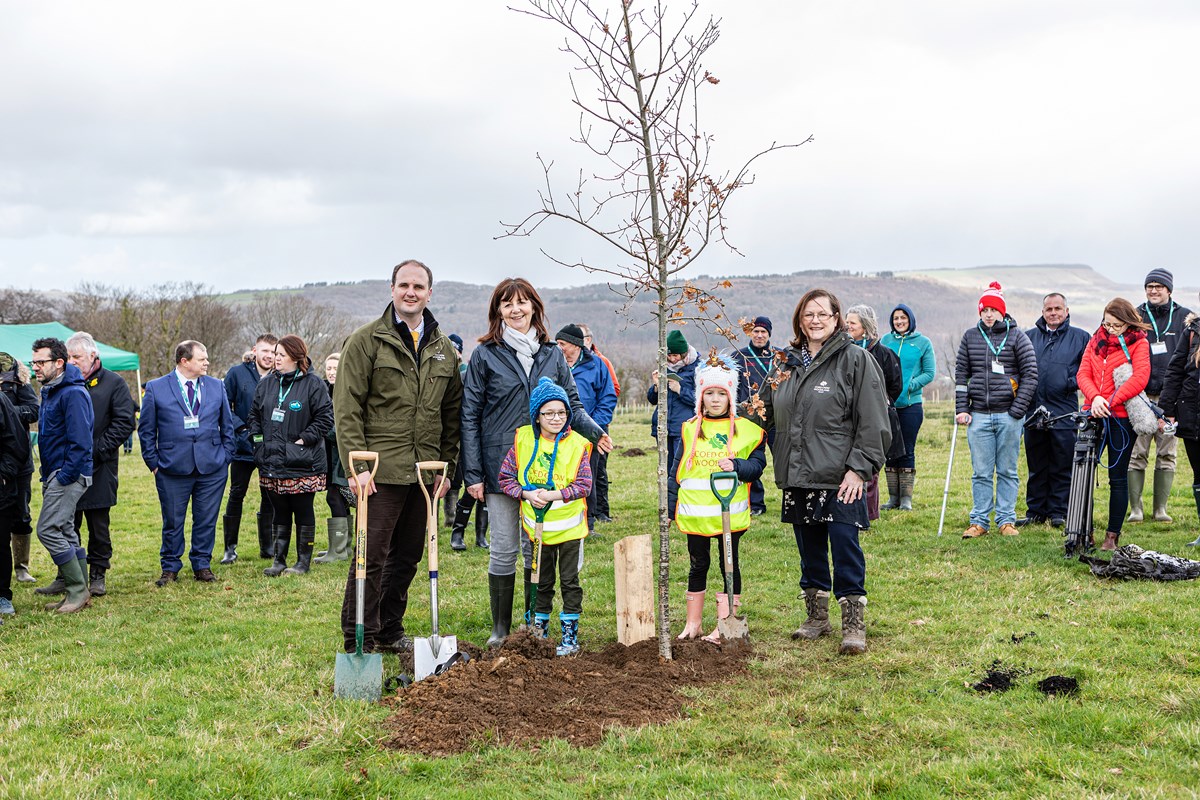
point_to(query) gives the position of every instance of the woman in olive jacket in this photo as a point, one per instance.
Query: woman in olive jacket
(829, 410)
(291, 414)
(511, 357)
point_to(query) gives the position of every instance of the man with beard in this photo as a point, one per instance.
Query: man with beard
(65, 446)
(1166, 319)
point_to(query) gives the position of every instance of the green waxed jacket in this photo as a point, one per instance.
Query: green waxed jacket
(404, 407)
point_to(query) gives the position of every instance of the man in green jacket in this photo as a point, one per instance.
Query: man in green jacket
(397, 394)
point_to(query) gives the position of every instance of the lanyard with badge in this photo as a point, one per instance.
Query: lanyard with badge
(765, 369)
(191, 419)
(997, 367)
(1158, 347)
(277, 414)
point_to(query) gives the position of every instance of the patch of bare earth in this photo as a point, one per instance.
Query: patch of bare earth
(521, 694)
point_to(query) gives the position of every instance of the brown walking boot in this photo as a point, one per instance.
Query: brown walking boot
(816, 603)
(854, 625)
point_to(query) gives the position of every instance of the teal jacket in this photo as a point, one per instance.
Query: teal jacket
(917, 364)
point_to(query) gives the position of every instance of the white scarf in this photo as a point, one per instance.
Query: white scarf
(526, 344)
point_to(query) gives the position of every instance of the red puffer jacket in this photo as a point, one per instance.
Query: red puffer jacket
(1103, 355)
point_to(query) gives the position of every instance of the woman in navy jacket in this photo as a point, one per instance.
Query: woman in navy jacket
(511, 357)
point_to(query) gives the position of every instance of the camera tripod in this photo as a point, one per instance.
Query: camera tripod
(1089, 436)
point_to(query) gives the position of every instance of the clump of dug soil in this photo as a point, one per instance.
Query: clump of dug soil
(521, 694)
(998, 678)
(630, 452)
(1057, 685)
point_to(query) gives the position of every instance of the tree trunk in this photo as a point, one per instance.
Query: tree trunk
(664, 520)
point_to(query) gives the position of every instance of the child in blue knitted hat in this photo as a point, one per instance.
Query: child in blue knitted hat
(547, 468)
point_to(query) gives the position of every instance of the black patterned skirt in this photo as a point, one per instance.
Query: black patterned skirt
(305, 485)
(821, 506)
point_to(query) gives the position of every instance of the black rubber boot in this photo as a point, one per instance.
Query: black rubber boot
(305, 534)
(500, 592)
(96, 582)
(229, 527)
(459, 529)
(265, 545)
(481, 526)
(282, 535)
(449, 507)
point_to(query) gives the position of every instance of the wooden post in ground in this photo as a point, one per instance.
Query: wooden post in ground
(633, 566)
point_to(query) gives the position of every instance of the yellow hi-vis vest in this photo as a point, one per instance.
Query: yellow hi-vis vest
(564, 521)
(697, 509)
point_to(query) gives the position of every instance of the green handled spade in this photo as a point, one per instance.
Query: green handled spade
(731, 626)
(358, 675)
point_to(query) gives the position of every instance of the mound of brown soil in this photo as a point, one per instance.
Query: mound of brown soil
(521, 694)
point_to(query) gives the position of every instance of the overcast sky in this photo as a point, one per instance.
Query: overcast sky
(258, 144)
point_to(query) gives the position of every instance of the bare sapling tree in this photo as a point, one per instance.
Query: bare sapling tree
(649, 193)
(24, 306)
(320, 326)
(151, 321)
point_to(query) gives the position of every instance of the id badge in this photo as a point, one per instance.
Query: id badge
(997, 368)
(277, 415)
(191, 423)
(1158, 348)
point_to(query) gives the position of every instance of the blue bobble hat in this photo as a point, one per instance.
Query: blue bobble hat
(545, 391)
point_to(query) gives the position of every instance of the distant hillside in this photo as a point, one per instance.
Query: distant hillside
(944, 302)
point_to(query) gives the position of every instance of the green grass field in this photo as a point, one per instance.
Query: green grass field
(225, 690)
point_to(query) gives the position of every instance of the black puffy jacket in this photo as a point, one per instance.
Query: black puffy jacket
(1180, 396)
(980, 390)
(1166, 323)
(496, 402)
(307, 416)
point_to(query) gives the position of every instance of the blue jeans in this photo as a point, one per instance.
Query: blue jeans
(995, 441)
(911, 418)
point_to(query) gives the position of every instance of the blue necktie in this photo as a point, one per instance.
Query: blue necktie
(191, 393)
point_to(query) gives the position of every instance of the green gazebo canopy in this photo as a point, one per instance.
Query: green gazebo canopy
(17, 341)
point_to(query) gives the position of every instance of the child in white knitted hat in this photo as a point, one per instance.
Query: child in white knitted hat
(714, 440)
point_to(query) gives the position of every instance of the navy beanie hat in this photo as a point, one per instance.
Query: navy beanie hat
(545, 391)
(762, 322)
(456, 340)
(1162, 276)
